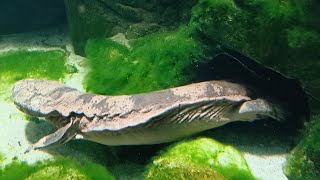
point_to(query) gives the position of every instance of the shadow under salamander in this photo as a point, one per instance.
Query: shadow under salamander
(263, 137)
(265, 134)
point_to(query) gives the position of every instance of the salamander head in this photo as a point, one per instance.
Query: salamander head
(30, 96)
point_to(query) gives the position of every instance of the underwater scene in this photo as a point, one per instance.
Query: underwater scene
(160, 90)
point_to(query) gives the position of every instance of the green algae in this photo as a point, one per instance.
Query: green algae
(170, 169)
(255, 28)
(56, 172)
(1, 158)
(60, 168)
(21, 64)
(199, 159)
(152, 63)
(304, 161)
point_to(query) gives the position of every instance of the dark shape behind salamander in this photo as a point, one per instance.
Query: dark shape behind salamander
(149, 118)
(234, 67)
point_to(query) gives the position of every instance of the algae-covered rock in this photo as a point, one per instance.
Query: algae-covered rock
(59, 168)
(56, 172)
(70, 69)
(151, 63)
(105, 18)
(202, 158)
(22, 64)
(282, 35)
(304, 162)
(220, 21)
(175, 169)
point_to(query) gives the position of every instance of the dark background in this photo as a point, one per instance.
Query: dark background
(28, 15)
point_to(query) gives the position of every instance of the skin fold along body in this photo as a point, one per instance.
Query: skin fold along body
(149, 118)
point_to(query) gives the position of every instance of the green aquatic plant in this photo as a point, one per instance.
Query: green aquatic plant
(202, 158)
(1, 158)
(304, 161)
(153, 62)
(21, 64)
(60, 168)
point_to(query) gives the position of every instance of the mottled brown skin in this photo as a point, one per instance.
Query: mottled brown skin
(149, 118)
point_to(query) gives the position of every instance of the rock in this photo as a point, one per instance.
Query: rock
(282, 35)
(118, 69)
(304, 161)
(22, 16)
(202, 158)
(57, 168)
(71, 69)
(23, 64)
(175, 169)
(105, 18)
(57, 172)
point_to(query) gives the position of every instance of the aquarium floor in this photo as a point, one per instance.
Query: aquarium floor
(265, 151)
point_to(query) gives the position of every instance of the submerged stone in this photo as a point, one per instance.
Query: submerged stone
(23, 64)
(153, 62)
(71, 69)
(58, 168)
(57, 172)
(304, 161)
(105, 18)
(202, 158)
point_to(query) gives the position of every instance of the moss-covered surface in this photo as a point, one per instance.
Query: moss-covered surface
(283, 35)
(60, 168)
(1, 158)
(105, 18)
(21, 64)
(202, 158)
(304, 162)
(154, 62)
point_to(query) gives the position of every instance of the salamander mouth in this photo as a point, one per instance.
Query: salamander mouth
(58, 121)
